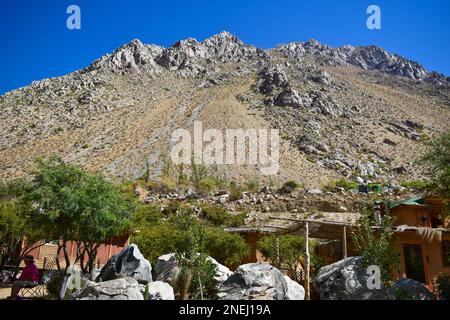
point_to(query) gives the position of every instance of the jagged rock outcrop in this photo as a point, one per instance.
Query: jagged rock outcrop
(272, 78)
(130, 57)
(289, 98)
(365, 57)
(198, 57)
(127, 263)
(406, 128)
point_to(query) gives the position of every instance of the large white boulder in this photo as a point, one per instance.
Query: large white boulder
(118, 289)
(259, 281)
(159, 290)
(128, 263)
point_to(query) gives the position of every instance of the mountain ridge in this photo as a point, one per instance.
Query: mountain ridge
(338, 115)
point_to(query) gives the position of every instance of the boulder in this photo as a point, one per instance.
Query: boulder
(406, 128)
(346, 280)
(410, 289)
(294, 290)
(400, 170)
(290, 98)
(222, 272)
(6, 277)
(159, 290)
(118, 289)
(271, 79)
(258, 281)
(127, 263)
(166, 268)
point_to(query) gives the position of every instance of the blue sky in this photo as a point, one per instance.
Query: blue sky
(36, 44)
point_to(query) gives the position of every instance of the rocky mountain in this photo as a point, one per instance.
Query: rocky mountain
(349, 111)
(366, 57)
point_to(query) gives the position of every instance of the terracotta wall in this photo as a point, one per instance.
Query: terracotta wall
(105, 251)
(431, 255)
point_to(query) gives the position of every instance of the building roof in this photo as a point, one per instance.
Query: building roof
(417, 201)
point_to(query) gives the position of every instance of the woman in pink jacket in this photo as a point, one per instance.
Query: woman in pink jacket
(28, 278)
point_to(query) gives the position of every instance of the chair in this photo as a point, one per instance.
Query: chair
(39, 290)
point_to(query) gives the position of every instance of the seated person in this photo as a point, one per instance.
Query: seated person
(28, 278)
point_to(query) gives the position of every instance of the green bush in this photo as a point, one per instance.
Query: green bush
(289, 186)
(219, 216)
(253, 186)
(147, 214)
(376, 246)
(437, 161)
(341, 183)
(227, 248)
(442, 282)
(207, 185)
(415, 184)
(235, 191)
(174, 234)
(346, 184)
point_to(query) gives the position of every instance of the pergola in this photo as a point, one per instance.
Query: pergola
(308, 228)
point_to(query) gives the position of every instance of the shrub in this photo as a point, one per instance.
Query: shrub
(174, 235)
(437, 161)
(147, 214)
(227, 248)
(253, 186)
(289, 186)
(415, 184)
(235, 191)
(206, 186)
(347, 184)
(219, 216)
(442, 282)
(376, 246)
(341, 183)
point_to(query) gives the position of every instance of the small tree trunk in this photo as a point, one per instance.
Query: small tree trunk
(187, 280)
(200, 286)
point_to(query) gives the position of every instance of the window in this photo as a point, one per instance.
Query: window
(445, 247)
(52, 242)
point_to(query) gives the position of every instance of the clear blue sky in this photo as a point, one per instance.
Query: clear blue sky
(36, 44)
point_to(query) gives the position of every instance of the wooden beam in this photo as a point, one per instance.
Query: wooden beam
(344, 242)
(308, 261)
(332, 223)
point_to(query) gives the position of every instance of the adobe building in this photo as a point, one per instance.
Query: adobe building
(423, 238)
(48, 251)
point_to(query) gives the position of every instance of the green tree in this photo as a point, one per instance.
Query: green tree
(20, 232)
(375, 244)
(437, 160)
(75, 205)
(192, 240)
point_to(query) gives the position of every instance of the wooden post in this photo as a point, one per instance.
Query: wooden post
(308, 261)
(344, 242)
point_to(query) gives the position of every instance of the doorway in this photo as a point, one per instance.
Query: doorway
(414, 267)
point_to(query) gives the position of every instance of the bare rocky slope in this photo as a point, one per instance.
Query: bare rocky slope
(349, 111)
